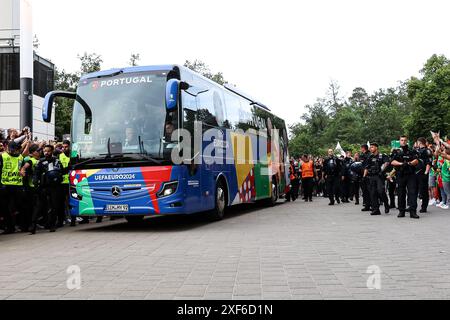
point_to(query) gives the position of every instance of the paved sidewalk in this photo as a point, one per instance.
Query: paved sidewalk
(292, 251)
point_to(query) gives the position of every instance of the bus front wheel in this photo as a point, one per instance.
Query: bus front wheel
(220, 202)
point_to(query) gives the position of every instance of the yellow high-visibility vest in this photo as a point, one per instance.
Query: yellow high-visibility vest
(11, 169)
(65, 162)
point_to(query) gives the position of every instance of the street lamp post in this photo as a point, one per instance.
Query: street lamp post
(26, 65)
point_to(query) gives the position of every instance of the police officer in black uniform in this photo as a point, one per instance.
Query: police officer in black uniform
(391, 180)
(48, 176)
(356, 174)
(346, 174)
(375, 168)
(422, 171)
(405, 161)
(364, 156)
(332, 169)
(295, 184)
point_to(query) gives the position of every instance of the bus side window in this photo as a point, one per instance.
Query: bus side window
(205, 107)
(189, 117)
(232, 107)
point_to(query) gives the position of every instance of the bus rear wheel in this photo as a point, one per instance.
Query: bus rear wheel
(274, 197)
(134, 219)
(220, 202)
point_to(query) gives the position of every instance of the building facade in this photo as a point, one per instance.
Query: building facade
(43, 75)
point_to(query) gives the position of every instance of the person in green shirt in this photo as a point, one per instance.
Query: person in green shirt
(445, 172)
(432, 183)
(64, 158)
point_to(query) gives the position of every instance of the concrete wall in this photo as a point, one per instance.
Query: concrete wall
(9, 20)
(10, 115)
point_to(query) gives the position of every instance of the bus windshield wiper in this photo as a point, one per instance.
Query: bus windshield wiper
(88, 160)
(132, 155)
(144, 156)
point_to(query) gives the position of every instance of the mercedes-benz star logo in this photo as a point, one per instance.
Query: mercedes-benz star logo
(116, 191)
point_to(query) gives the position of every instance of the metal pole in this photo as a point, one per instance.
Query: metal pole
(26, 65)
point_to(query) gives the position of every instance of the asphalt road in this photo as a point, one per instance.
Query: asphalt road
(291, 251)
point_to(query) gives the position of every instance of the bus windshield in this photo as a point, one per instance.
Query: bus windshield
(128, 116)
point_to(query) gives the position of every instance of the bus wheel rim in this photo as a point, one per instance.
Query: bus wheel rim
(274, 192)
(220, 199)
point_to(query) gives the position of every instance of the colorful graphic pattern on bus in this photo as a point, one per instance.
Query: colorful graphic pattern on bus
(137, 188)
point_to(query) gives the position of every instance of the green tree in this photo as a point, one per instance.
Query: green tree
(333, 99)
(430, 96)
(134, 58)
(67, 81)
(346, 128)
(359, 100)
(64, 81)
(90, 62)
(307, 136)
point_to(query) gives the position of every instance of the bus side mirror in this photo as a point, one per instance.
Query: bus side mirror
(172, 90)
(48, 102)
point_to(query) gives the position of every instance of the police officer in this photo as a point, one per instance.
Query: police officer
(405, 161)
(364, 156)
(48, 176)
(64, 158)
(295, 184)
(391, 184)
(355, 175)
(346, 181)
(12, 185)
(375, 168)
(34, 203)
(332, 173)
(422, 171)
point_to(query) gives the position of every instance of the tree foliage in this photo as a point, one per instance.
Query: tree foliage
(66, 81)
(134, 58)
(430, 98)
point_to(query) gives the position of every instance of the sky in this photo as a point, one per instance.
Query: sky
(283, 53)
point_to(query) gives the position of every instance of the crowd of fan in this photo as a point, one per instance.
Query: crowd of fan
(34, 183)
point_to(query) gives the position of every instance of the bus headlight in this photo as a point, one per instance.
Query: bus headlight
(168, 189)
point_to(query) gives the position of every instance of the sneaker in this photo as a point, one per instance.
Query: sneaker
(432, 202)
(438, 204)
(444, 206)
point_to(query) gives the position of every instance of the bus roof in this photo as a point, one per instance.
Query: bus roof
(126, 70)
(169, 67)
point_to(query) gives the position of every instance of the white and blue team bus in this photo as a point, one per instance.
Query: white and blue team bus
(124, 133)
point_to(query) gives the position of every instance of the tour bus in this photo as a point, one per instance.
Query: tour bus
(161, 140)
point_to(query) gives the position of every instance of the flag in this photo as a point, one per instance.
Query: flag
(339, 149)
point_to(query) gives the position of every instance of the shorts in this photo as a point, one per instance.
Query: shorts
(432, 181)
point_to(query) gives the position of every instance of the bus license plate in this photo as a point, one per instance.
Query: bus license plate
(117, 207)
